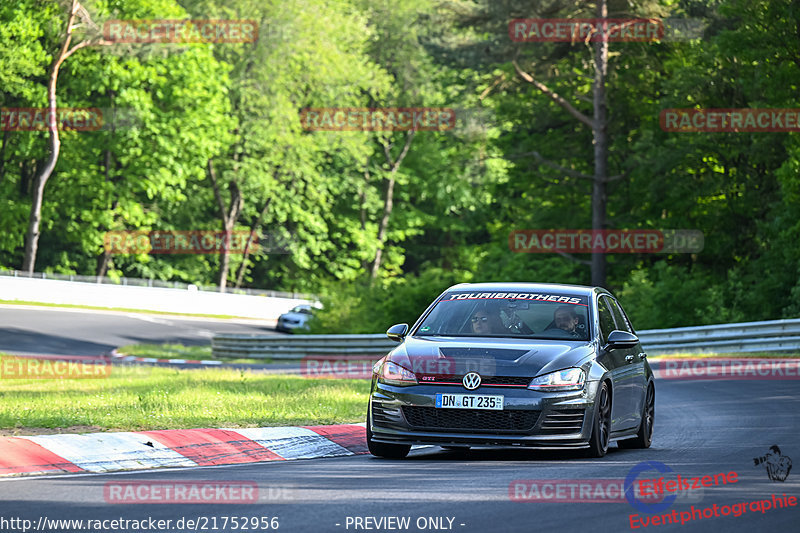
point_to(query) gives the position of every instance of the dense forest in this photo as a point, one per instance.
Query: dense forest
(559, 133)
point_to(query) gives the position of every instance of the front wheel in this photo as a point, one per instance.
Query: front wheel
(645, 435)
(601, 425)
(382, 449)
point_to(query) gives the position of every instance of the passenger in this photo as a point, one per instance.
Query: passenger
(566, 318)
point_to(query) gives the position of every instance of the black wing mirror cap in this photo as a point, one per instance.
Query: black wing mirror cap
(397, 332)
(621, 339)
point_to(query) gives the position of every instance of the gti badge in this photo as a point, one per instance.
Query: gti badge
(471, 381)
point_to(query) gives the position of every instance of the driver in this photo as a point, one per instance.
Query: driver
(566, 318)
(486, 322)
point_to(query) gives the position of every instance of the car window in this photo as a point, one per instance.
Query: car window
(607, 324)
(619, 318)
(627, 320)
(522, 315)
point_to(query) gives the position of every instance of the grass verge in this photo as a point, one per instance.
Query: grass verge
(134, 398)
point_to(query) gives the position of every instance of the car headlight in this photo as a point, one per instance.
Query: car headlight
(376, 368)
(563, 380)
(394, 374)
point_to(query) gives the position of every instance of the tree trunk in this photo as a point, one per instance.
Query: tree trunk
(362, 202)
(246, 253)
(600, 139)
(3, 155)
(387, 211)
(229, 218)
(35, 218)
(389, 201)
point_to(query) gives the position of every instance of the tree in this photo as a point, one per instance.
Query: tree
(76, 10)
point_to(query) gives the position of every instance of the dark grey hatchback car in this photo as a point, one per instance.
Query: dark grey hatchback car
(514, 364)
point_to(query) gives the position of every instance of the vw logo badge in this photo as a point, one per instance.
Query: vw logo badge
(471, 381)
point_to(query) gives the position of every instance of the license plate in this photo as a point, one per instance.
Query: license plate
(469, 401)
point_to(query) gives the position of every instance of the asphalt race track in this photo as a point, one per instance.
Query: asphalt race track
(702, 428)
(61, 331)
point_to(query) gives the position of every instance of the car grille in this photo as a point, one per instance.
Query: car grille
(563, 421)
(385, 414)
(470, 419)
(486, 381)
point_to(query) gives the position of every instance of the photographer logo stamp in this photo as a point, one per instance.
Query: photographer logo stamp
(778, 466)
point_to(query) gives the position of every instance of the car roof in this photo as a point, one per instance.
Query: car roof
(583, 290)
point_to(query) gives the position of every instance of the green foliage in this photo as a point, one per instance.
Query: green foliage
(363, 308)
(458, 193)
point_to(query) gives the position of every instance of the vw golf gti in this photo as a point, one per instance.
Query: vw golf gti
(514, 364)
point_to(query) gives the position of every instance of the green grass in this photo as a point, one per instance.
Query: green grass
(143, 397)
(119, 309)
(179, 351)
(167, 351)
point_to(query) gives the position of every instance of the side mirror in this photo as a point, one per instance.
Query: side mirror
(621, 339)
(397, 332)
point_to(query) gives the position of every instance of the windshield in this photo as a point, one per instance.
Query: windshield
(524, 315)
(301, 309)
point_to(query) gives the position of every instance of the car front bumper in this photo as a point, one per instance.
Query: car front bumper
(407, 415)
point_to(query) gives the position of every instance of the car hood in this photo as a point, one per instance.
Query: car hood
(489, 357)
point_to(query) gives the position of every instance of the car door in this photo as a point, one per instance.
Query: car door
(633, 375)
(614, 360)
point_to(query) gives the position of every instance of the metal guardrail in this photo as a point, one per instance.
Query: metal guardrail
(300, 346)
(767, 336)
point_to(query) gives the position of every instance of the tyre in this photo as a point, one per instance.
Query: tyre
(382, 449)
(601, 425)
(645, 434)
